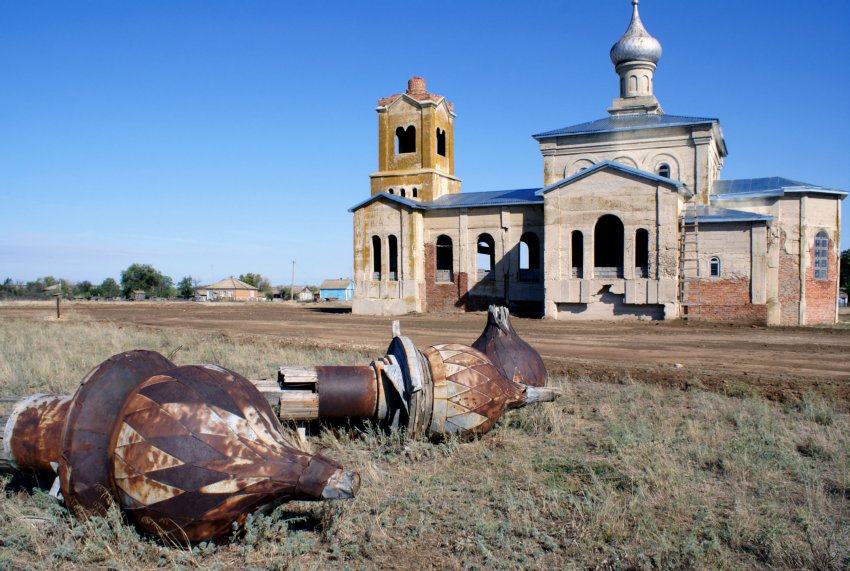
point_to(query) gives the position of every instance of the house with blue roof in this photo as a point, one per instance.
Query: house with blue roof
(632, 219)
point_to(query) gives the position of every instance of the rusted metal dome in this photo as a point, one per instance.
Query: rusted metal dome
(187, 452)
(515, 359)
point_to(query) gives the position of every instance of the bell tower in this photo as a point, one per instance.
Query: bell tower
(415, 145)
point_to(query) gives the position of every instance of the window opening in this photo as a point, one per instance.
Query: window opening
(376, 258)
(529, 257)
(642, 253)
(445, 258)
(393, 251)
(664, 170)
(577, 269)
(392, 191)
(485, 260)
(402, 193)
(714, 267)
(441, 142)
(405, 140)
(821, 256)
(415, 193)
(608, 247)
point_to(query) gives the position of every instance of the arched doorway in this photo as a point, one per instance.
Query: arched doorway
(608, 247)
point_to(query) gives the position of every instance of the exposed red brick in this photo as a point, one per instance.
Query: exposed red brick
(821, 294)
(443, 296)
(725, 300)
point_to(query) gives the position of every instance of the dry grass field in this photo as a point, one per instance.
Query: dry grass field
(616, 475)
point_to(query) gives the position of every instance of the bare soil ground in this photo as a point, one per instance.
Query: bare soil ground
(780, 363)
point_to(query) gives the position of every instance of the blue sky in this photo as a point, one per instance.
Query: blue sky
(213, 138)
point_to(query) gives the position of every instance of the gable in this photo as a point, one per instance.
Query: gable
(616, 168)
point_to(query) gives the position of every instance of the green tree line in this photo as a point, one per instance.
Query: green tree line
(137, 277)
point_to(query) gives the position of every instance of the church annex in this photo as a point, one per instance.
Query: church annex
(632, 220)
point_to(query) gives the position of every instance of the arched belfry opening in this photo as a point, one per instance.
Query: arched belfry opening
(441, 142)
(608, 246)
(405, 140)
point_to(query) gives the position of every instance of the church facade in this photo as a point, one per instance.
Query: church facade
(633, 220)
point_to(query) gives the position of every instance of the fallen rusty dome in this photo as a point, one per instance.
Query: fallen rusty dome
(185, 451)
(515, 359)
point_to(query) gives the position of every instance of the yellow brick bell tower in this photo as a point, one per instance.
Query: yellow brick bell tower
(415, 145)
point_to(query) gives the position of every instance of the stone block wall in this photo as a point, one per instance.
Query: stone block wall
(789, 285)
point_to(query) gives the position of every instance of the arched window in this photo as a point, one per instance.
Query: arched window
(405, 140)
(714, 267)
(577, 251)
(415, 193)
(441, 142)
(664, 170)
(445, 258)
(392, 191)
(392, 243)
(608, 247)
(485, 260)
(642, 253)
(402, 193)
(821, 256)
(529, 257)
(376, 258)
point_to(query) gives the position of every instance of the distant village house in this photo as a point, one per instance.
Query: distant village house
(231, 289)
(338, 290)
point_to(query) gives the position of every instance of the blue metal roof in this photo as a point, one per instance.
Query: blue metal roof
(462, 200)
(483, 199)
(609, 164)
(715, 214)
(768, 187)
(626, 122)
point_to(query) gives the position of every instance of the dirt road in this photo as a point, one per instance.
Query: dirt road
(780, 363)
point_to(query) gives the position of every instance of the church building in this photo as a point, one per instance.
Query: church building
(632, 220)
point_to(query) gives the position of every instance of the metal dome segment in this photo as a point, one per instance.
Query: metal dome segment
(636, 44)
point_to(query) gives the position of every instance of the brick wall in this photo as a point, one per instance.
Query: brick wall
(821, 294)
(789, 286)
(725, 300)
(443, 296)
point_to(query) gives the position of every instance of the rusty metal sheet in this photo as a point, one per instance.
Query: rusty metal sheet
(347, 392)
(36, 425)
(84, 462)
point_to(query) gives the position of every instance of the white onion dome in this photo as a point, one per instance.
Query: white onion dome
(636, 44)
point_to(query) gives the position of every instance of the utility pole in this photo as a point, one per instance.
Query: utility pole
(292, 285)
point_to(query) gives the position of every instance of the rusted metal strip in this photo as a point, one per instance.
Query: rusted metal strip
(35, 432)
